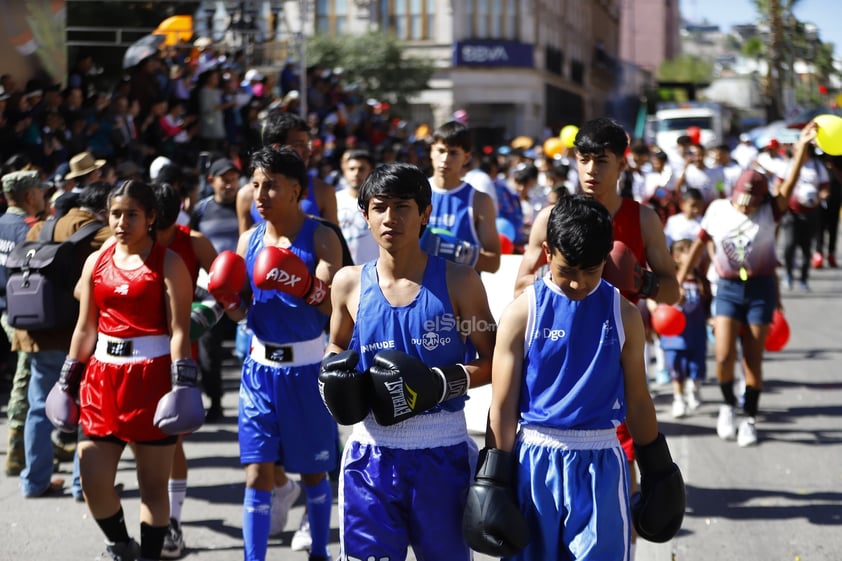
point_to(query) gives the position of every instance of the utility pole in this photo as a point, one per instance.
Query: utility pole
(774, 79)
(301, 36)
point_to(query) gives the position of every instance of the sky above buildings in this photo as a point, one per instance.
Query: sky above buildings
(726, 13)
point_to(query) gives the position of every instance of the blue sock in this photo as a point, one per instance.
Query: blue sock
(257, 507)
(319, 503)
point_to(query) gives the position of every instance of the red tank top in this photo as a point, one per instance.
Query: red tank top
(183, 246)
(627, 230)
(131, 303)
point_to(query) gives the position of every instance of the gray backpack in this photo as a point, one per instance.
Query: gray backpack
(42, 275)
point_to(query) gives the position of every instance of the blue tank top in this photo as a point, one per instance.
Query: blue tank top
(308, 204)
(275, 316)
(426, 328)
(572, 376)
(454, 211)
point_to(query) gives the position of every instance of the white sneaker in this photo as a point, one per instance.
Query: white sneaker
(747, 435)
(679, 408)
(693, 399)
(725, 427)
(301, 539)
(282, 500)
(662, 377)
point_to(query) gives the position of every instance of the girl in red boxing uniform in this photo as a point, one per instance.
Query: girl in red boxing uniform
(133, 331)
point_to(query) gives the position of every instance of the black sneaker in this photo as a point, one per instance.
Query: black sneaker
(173, 541)
(214, 414)
(121, 551)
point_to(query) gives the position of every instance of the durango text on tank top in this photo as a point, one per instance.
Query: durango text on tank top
(426, 328)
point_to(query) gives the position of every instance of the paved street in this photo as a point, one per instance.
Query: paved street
(781, 500)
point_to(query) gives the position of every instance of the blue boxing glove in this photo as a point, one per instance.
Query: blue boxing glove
(442, 243)
(180, 410)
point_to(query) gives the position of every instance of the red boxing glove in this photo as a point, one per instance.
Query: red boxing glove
(624, 271)
(227, 276)
(277, 268)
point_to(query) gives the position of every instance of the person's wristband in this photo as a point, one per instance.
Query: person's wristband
(650, 286)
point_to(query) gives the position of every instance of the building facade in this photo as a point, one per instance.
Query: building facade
(515, 66)
(650, 32)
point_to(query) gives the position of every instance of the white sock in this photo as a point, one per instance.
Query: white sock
(631, 551)
(178, 491)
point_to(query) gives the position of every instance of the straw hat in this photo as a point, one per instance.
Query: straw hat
(203, 42)
(83, 164)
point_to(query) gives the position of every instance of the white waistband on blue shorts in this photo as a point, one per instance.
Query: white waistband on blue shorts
(431, 430)
(115, 350)
(599, 439)
(285, 355)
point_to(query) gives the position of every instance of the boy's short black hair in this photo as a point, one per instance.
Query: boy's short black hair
(680, 246)
(396, 180)
(601, 135)
(580, 229)
(284, 161)
(525, 173)
(95, 196)
(692, 194)
(453, 133)
(640, 147)
(358, 154)
(278, 124)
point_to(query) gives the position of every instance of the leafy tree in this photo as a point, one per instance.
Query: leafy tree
(685, 69)
(375, 62)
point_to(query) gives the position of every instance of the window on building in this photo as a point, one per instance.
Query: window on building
(331, 17)
(408, 19)
(492, 19)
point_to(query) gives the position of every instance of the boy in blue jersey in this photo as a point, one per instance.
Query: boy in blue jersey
(290, 260)
(462, 225)
(400, 325)
(568, 368)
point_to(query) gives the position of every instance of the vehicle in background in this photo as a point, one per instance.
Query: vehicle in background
(674, 119)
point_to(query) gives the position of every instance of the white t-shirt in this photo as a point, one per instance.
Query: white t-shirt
(740, 241)
(731, 172)
(679, 227)
(354, 228)
(706, 180)
(813, 175)
(744, 154)
(655, 179)
(481, 181)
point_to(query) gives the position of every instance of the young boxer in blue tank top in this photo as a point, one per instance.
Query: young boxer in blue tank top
(568, 368)
(399, 325)
(462, 226)
(290, 260)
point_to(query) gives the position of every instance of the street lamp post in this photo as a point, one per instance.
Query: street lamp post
(301, 38)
